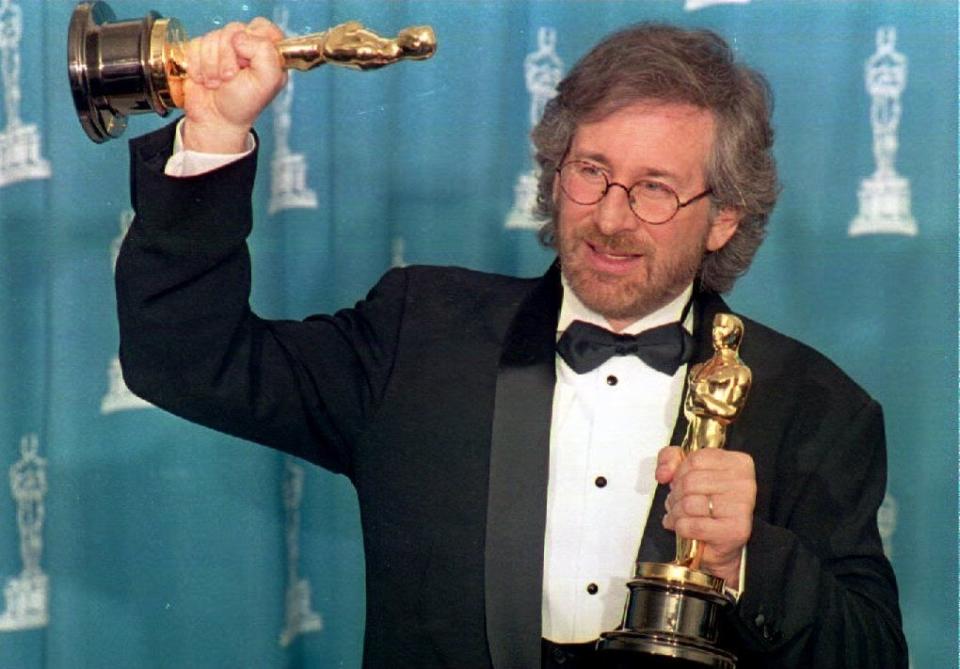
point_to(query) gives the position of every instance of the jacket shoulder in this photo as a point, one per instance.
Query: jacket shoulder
(789, 362)
(457, 287)
(441, 275)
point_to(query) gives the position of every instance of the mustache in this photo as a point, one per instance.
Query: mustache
(621, 243)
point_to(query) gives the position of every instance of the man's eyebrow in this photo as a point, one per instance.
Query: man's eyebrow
(648, 172)
(593, 157)
(663, 174)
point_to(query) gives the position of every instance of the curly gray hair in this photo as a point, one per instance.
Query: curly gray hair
(669, 64)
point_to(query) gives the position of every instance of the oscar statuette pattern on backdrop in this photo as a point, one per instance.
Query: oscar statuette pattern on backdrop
(131, 538)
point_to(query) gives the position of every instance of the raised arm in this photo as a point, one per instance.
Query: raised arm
(189, 341)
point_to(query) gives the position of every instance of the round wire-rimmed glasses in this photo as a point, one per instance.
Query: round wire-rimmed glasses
(651, 201)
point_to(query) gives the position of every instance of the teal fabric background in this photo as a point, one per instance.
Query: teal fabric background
(168, 545)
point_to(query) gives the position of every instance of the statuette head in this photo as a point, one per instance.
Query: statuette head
(417, 42)
(727, 332)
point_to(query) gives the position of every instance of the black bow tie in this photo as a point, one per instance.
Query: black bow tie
(585, 347)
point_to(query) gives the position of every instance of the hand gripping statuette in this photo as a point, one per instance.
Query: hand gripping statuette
(672, 609)
(118, 68)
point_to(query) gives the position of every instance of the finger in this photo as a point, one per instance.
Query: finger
(720, 489)
(717, 511)
(719, 533)
(718, 507)
(704, 506)
(194, 60)
(227, 66)
(262, 55)
(210, 59)
(708, 530)
(701, 472)
(697, 461)
(668, 460)
(262, 27)
(709, 482)
(716, 458)
(701, 506)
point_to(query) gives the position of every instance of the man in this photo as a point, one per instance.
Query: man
(505, 489)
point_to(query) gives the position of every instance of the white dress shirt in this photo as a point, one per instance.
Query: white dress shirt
(607, 427)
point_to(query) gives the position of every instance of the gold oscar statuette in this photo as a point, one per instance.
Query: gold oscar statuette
(673, 608)
(118, 68)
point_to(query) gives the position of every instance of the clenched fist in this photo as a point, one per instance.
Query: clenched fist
(232, 75)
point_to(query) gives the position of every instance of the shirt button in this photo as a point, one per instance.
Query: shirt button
(612, 380)
(759, 620)
(593, 589)
(600, 482)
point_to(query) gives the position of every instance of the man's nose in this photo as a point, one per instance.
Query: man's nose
(613, 212)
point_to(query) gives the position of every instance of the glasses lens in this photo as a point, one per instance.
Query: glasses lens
(582, 182)
(653, 201)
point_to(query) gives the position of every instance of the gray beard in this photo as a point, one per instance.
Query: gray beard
(617, 298)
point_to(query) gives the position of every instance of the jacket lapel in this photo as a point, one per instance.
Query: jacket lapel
(659, 544)
(519, 467)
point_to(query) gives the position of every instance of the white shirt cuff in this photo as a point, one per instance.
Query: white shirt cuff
(186, 163)
(735, 593)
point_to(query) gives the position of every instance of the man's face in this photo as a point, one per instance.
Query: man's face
(616, 264)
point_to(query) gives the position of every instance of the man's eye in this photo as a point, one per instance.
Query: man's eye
(588, 171)
(648, 188)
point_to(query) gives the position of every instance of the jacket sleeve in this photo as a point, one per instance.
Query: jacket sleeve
(819, 592)
(190, 343)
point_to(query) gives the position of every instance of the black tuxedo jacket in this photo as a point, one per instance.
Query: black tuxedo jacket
(433, 395)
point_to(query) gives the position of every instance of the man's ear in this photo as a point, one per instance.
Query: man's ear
(722, 227)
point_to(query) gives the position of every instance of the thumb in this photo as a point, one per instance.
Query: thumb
(668, 459)
(261, 58)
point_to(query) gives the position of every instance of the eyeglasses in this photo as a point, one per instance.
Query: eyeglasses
(651, 201)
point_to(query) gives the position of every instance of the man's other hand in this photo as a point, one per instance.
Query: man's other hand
(232, 75)
(712, 496)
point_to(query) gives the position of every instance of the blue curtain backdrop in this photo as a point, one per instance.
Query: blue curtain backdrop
(130, 538)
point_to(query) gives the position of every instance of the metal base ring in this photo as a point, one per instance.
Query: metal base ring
(685, 651)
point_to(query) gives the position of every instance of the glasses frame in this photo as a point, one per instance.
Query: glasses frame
(609, 184)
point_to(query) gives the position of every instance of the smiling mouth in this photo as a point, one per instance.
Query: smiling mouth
(611, 254)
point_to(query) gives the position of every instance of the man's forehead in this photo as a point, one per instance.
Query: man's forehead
(612, 106)
(659, 137)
